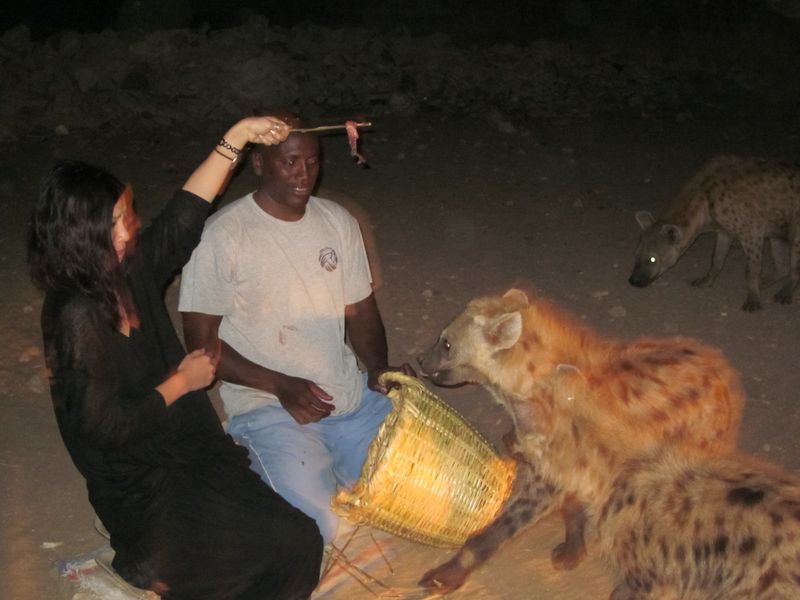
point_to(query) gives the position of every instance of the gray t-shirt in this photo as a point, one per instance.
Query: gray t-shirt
(281, 288)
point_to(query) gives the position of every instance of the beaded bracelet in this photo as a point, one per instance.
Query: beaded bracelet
(225, 144)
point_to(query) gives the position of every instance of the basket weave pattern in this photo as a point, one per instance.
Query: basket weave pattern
(429, 475)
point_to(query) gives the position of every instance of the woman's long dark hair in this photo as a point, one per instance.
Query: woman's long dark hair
(69, 235)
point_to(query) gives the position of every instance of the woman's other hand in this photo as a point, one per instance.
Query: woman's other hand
(198, 368)
(195, 372)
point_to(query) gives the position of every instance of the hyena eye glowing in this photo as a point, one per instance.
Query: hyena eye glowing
(446, 345)
(652, 259)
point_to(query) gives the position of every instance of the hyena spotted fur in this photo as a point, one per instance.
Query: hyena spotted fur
(674, 523)
(655, 390)
(677, 524)
(710, 528)
(746, 199)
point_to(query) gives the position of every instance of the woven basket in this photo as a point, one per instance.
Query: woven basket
(429, 476)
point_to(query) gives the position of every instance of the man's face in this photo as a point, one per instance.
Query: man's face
(288, 173)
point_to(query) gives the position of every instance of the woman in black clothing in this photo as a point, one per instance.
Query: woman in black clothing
(188, 518)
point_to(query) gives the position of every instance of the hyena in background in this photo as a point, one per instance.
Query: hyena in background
(655, 391)
(743, 198)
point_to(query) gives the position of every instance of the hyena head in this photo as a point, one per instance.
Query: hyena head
(467, 348)
(660, 245)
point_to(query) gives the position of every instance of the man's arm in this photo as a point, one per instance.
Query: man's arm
(367, 336)
(303, 399)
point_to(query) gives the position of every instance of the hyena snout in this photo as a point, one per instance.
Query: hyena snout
(641, 277)
(432, 367)
(428, 362)
(421, 364)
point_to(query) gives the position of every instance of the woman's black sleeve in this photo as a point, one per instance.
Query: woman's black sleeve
(87, 389)
(167, 243)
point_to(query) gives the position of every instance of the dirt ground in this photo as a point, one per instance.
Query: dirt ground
(451, 210)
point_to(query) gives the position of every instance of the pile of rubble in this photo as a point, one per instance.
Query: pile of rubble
(86, 80)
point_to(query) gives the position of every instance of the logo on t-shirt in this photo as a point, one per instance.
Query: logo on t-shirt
(328, 259)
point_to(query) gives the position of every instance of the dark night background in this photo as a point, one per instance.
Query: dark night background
(83, 63)
(467, 21)
(512, 141)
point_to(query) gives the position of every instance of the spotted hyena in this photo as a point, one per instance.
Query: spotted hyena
(672, 522)
(746, 199)
(702, 528)
(656, 390)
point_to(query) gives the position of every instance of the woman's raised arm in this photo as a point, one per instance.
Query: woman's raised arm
(211, 176)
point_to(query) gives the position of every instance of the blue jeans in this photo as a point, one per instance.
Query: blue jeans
(305, 463)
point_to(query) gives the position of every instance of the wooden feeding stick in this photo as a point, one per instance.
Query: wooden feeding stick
(329, 127)
(352, 136)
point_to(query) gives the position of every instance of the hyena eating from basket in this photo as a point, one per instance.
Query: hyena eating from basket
(738, 198)
(673, 522)
(658, 390)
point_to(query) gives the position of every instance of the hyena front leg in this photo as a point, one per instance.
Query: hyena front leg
(721, 249)
(569, 553)
(753, 246)
(784, 295)
(780, 256)
(531, 498)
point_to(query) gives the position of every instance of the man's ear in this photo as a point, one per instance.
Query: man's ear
(257, 161)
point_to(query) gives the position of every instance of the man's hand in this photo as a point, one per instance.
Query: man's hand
(304, 399)
(372, 380)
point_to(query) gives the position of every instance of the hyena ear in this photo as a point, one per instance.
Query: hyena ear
(518, 297)
(504, 331)
(673, 233)
(645, 218)
(570, 384)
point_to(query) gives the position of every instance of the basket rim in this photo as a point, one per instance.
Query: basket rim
(395, 394)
